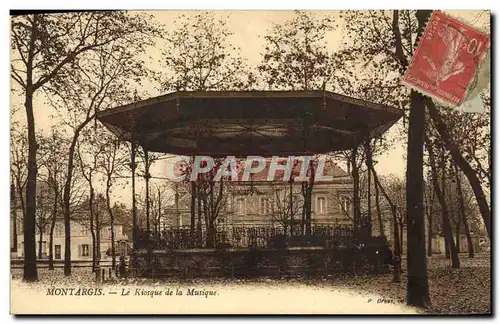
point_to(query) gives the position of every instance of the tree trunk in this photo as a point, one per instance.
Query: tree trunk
(397, 238)
(369, 191)
(457, 234)
(13, 213)
(157, 227)
(51, 244)
(30, 269)
(443, 209)
(356, 198)
(379, 214)
(199, 231)
(446, 243)
(308, 210)
(292, 225)
(470, 245)
(397, 248)
(429, 234)
(303, 221)
(455, 262)
(462, 163)
(147, 176)
(133, 149)
(67, 197)
(97, 247)
(40, 244)
(193, 213)
(417, 287)
(304, 206)
(211, 234)
(112, 220)
(92, 230)
(21, 197)
(66, 205)
(463, 216)
(30, 272)
(53, 224)
(309, 190)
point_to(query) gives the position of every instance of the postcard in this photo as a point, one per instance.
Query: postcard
(250, 162)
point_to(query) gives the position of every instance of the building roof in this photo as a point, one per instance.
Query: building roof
(242, 123)
(330, 169)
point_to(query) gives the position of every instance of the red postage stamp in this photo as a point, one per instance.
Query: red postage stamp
(446, 61)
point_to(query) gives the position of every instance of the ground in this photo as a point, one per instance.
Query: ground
(452, 291)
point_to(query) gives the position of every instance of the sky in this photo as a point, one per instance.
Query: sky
(248, 28)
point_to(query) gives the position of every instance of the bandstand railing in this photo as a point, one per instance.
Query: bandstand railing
(243, 237)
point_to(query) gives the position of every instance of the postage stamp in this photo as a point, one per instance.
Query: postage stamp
(447, 60)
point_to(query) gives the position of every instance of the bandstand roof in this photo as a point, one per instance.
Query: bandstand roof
(242, 123)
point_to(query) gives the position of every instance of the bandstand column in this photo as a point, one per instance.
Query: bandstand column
(147, 176)
(369, 161)
(134, 207)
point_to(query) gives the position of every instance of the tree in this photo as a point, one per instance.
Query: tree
(430, 210)
(296, 58)
(102, 78)
(46, 49)
(43, 215)
(284, 205)
(462, 210)
(113, 163)
(354, 160)
(161, 198)
(18, 170)
(385, 43)
(212, 195)
(198, 56)
(461, 162)
(89, 165)
(397, 221)
(98, 216)
(439, 193)
(52, 177)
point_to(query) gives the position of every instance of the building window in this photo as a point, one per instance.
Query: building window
(240, 206)
(321, 205)
(106, 233)
(84, 250)
(57, 252)
(44, 247)
(85, 231)
(344, 204)
(58, 230)
(264, 206)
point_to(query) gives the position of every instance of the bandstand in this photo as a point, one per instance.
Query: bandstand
(244, 123)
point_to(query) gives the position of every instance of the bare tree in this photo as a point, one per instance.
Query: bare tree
(18, 170)
(213, 200)
(285, 205)
(113, 163)
(441, 198)
(52, 176)
(100, 80)
(89, 165)
(162, 197)
(198, 56)
(46, 50)
(43, 215)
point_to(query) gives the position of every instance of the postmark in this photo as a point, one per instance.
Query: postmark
(447, 60)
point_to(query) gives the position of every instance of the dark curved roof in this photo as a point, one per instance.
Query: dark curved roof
(242, 123)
